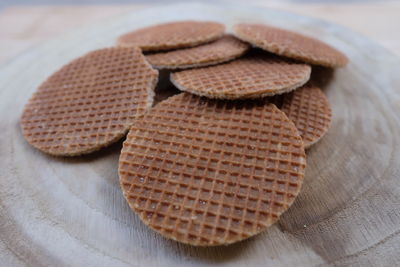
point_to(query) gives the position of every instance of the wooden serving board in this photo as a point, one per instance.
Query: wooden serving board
(71, 212)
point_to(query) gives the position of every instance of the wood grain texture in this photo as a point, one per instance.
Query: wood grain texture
(59, 212)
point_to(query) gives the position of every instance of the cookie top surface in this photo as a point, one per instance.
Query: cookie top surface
(210, 172)
(90, 102)
(310, 111)
(173, 35)
(290, 44)
(253, 76)
(221, 50)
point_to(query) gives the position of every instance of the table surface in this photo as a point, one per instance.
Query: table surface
(22, 27)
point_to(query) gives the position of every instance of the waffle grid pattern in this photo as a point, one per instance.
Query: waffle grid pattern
(209, 173)
(90, 102)
(252, 76)
(173, 35)
(310, 111)
(222, 50)
(290, 44)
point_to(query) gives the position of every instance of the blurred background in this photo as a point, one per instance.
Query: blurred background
(25, 23)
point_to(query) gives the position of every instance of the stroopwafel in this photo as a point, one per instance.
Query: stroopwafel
(310, 111)
(252, 76)
(290, 44)
(173, 35)
(90, 102)
(219, 51)
(210, 172)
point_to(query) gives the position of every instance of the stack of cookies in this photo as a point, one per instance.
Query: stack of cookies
(214, 164)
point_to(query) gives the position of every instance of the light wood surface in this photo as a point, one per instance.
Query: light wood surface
(71, 212)
(22, 27)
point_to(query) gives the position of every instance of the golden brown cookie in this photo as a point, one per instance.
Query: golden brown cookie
(173, 35)
(219, 51)
(90, 102)
(253, 76)
(290, 44)
(210, 172)
(310, 111)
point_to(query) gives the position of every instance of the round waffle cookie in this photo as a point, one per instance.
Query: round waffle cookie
(210, 172)
(222, 50)
(90, 102)
(252, 76)
(290, 44)
(173, 35)
(310, 111)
